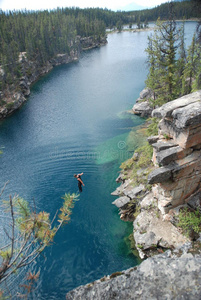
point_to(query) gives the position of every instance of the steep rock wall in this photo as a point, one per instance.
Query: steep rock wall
(176, 181)
(177, 153)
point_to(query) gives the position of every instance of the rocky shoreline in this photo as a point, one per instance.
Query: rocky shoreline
(174, 183)
(175, 178)
(142, 106)
(15, 95)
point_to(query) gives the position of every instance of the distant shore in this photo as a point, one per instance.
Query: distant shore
(130, 30)
(109, 31)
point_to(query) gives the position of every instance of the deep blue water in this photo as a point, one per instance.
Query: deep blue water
(73, 122)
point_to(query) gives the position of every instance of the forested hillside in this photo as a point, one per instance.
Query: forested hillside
(182, 10)
(40, 36)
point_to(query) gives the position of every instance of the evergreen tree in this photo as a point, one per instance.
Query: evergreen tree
(119, 26)
(181, 60)
(190, 67)
(138, 22)
(151, 81)
(162, 59)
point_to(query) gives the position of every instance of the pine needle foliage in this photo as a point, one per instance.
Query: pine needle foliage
(29, 232)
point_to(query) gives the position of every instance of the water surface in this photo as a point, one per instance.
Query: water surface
(73, 122)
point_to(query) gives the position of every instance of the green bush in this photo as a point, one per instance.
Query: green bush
(10, 105)
(126, 165)
(152, 128)
(145, 155)
(189, 220)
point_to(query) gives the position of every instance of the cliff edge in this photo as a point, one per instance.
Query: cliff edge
(157, 278)
(175, 180)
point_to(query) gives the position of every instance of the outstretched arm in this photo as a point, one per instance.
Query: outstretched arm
(80, 174)
(80, 180)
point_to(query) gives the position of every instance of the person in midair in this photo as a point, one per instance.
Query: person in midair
(79, 181)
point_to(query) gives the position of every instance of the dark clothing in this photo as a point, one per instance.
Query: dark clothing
(79, 184)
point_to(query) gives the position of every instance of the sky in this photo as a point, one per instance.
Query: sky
(50, 4)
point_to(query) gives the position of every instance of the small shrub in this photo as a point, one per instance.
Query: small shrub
(166, 136)
(137, 211)
(145, 156)
(2, 102)
(127, 164)
(9, 105)
(189, 221)
(157, 214)
(152, 128)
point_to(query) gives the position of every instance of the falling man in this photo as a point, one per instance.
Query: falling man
(79, 181)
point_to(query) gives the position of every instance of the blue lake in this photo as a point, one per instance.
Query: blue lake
(74, 122)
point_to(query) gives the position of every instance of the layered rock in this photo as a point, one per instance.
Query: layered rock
(175, 182)
(175, 179)
(177, 153)
(129, 197)
(152, 232)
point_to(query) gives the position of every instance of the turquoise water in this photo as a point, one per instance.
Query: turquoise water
(73, 122)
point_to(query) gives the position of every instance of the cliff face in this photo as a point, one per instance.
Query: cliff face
(176, 183)
(161, 277)
(177, 153)
(15, 94)
(175, 178)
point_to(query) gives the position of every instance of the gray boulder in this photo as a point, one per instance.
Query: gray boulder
(133, 193)
(157, 278)
(167, 109)
(159, 175)
(161, 145)
(143, 109)
(121, 202)
(153, 139)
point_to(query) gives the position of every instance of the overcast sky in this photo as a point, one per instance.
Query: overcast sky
(50, 4)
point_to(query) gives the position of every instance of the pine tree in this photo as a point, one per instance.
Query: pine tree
(181, 60)
(162, 60)
(190, 68)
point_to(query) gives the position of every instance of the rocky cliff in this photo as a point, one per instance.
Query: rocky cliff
(16, 94)
(157, 278)
(177, 152)
(175, 178)
(175, 183)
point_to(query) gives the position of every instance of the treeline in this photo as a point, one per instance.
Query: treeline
(41, 35)
(182, 10)
(44, 34)
(174, 71)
